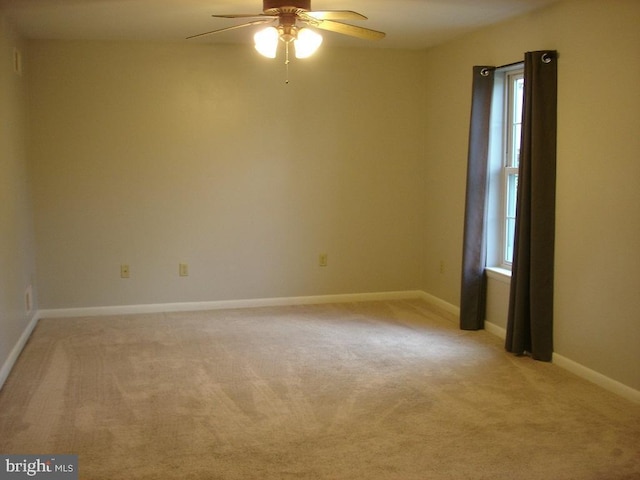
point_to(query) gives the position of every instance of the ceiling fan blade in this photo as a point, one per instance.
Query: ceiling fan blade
(346, 29)
(334, 15)
(242, 25)
(244, 15)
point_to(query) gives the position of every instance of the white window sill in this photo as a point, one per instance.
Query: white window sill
(500, 274)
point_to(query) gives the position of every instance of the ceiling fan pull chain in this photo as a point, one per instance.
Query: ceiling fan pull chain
(286, 61)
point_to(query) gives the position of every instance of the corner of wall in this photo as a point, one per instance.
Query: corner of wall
(5, 370)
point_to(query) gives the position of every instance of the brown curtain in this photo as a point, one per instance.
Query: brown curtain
(530, 320)
(472, 297)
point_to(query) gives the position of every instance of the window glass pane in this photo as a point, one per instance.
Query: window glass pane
(517, 90)
(519, 98)
(511, 231)
(512, 192)
(517, 134)
(510, 217)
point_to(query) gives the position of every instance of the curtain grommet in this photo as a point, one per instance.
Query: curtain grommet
(484, 72)
(546, 58)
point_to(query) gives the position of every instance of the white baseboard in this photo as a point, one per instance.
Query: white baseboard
(597, 378)
(578, 369)
(226, 304)
(439, 303)
(17, 349)
(496, 330)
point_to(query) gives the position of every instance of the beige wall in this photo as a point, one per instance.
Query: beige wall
(16, 232)
(597, 286)
(155, 154)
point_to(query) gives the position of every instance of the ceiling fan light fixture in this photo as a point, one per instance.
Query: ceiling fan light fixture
(307, 42)
(266, 42)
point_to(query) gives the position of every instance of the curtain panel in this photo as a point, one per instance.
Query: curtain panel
(530, 318)
(472, 297)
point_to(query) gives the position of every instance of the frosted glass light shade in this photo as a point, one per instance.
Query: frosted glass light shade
(266, 42)
(307, 43)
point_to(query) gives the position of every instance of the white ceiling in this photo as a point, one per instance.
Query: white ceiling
(408, 23)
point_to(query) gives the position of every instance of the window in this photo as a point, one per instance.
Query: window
(513, 130)
(504, 154)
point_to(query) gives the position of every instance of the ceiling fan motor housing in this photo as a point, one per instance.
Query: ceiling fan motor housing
(278, 4)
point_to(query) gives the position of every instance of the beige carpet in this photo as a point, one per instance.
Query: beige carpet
(380, 390)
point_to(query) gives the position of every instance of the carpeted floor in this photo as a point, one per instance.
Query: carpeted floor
(379, 390)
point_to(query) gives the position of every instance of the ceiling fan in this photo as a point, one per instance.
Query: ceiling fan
(293, 17)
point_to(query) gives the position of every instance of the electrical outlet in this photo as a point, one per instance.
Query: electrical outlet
(323, 260)
(183, 270)
(17, 61)
(124, 271)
